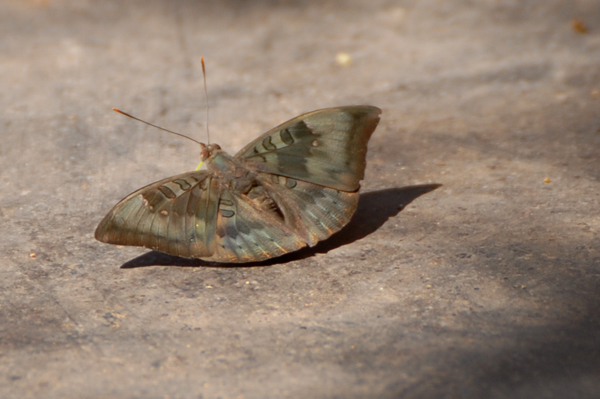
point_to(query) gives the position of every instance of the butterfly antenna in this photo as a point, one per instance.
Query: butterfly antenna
(206, 97)
(158, 127)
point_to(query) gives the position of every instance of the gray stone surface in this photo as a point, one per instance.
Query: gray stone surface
(486, 287)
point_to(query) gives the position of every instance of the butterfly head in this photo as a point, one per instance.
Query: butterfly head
(208, 150)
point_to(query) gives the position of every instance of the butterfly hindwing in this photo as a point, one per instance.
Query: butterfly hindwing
(278, 215)
(248, 232)
(326, 147)
(313, 211)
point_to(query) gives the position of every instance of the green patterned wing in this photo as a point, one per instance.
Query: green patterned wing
(327, 147)
(177, 215)
(313, 212)
(278, 215)
(248, 231)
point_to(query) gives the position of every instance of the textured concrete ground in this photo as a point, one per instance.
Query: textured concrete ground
(488, 286)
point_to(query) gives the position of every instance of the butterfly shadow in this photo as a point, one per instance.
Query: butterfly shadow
(374, 209)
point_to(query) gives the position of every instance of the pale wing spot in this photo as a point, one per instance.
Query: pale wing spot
(290, 183)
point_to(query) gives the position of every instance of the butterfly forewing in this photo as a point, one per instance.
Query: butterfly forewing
(326, 147)
(176, 215)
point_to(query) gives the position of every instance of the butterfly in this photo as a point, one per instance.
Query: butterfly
(294, 186)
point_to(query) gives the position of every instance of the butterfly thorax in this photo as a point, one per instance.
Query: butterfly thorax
(235, 177)
(230, 172)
